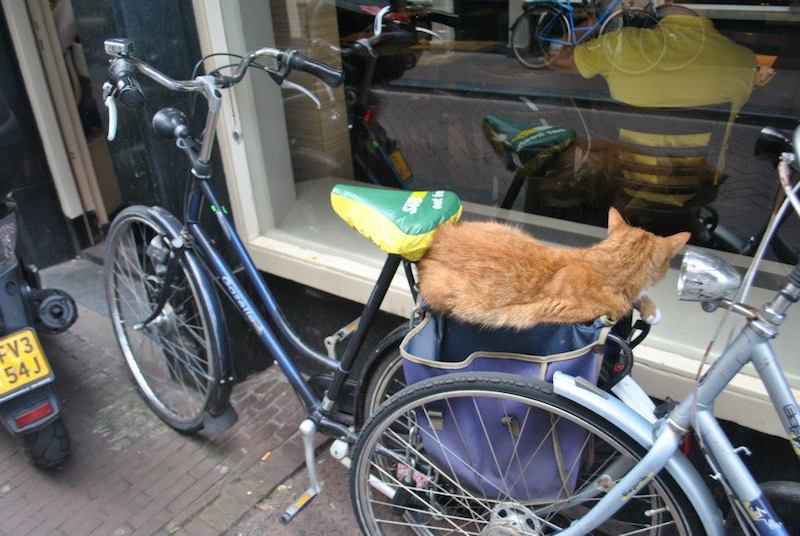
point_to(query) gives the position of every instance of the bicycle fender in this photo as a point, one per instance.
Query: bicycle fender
(169, 223)
(219, 407)
(390, 341)
(641, 431)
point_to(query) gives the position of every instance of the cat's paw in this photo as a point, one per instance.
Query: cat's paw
(653, 318)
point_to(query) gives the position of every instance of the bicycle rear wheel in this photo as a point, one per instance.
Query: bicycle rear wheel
(386, 380)
(539, 36)
(174, 359)
(457, 454)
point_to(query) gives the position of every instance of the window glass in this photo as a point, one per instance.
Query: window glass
(557, 109)
(554, 111)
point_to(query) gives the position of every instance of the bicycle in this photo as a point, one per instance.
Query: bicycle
(160, 274)
(546, 28)
(377, 157)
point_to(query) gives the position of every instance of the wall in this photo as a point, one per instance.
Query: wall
(23, 167)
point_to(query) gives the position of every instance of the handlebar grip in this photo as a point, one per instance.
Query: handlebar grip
(130, 94)
(127, 88)
(331, 76)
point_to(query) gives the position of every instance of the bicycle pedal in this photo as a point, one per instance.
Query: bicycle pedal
(295, 508)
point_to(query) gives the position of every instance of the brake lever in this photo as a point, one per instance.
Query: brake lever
(111, 104)
(286, 84)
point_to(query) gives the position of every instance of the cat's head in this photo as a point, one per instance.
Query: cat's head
(658, 250)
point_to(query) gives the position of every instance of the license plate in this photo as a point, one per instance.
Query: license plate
(22, 361)
(400, 165)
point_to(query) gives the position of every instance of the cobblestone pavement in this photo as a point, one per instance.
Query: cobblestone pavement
(131, 474)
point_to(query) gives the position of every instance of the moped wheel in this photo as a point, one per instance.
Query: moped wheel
(173, 359)
(539, 36)
(455, 453)
(48, 447)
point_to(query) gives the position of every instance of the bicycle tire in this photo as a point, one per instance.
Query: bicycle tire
(436, 499)
(181, 380)
(534, 50)
(625, 51)
(386, 380)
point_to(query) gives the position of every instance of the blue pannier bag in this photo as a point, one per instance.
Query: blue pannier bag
(500, 448)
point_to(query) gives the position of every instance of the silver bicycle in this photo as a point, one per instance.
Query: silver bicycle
(617, 468)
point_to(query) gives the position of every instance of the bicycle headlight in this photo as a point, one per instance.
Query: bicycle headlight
(705, 277)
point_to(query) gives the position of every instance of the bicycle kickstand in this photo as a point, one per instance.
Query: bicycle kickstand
(308, 430)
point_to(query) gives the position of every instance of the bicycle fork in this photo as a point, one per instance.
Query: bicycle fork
(637, 478)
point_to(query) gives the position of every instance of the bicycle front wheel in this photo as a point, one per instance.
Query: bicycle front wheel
(173, 360)
(539, 36)
(491, 453)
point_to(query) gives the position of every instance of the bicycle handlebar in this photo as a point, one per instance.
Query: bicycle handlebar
(125, 87)
(287, 60)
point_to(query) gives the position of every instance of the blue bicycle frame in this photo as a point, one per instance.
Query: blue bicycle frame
(569, 12)
(201, 192)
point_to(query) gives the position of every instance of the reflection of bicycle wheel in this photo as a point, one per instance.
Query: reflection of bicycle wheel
(633, 41)
(684, 36)
(539, 36)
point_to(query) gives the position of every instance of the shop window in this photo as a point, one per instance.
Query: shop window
(655, 113)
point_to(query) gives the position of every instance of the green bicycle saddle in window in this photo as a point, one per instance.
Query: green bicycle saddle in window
(521, 143)
(397, 221)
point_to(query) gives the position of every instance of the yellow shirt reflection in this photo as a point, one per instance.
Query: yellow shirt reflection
(683, 62)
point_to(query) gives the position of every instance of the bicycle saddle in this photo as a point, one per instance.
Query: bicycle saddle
(519, 143)
(397, 221)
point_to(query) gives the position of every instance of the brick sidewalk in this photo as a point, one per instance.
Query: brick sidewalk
(131, 474)
(331, 513)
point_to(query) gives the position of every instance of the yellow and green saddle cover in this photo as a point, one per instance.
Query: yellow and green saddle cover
(397, 221)
(522, 145)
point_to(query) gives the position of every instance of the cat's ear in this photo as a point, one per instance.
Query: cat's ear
(615, 220)
(677, 241)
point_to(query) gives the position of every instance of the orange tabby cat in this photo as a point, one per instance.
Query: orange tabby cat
(497, 275)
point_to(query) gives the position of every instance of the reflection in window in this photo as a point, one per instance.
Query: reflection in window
(653, 110)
